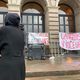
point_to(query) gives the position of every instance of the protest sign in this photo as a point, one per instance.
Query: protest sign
(38, 38)
(69, 41)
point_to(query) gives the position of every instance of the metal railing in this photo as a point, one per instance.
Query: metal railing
(55, 49)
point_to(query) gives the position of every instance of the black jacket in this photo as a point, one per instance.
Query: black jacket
(12, 65)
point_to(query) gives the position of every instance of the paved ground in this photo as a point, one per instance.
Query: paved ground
(69, 77)
(59, 68)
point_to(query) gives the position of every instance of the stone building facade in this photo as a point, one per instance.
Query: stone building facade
(54, 16)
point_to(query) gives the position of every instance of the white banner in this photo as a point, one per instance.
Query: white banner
(69, 41)
(38, 38)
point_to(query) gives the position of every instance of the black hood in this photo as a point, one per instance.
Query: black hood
(12, 19)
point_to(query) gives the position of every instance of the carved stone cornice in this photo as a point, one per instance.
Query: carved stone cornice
(52, 4)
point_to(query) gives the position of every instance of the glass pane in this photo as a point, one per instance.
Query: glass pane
(35, 19)
(25, 28)
(24, 19)
(67, 29)
(66, 21)
(1, 25)
(61, 28)
(3, 9)
(29, 28)
(31, 11)
(40, 19)
(61, 20)
(1, 18)
(35, 28)
(29, 19)
(40, 28)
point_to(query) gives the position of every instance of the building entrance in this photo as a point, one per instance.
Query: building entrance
(33, 22)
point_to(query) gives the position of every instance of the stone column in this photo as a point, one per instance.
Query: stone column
(53, 23)
(53, 19)
(14, 6)
(77, 20)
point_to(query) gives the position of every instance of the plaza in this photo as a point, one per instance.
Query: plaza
(47, 17)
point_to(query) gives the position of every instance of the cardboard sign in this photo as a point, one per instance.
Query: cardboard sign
(69, 41)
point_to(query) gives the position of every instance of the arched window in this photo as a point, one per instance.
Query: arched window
(32, 18)
(33, 21)
(31, 11)
(66, 19)
(3, 11)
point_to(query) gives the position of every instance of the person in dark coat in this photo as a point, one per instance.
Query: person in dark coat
(12, 63)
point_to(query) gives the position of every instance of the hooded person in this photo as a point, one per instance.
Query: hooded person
(12, 63)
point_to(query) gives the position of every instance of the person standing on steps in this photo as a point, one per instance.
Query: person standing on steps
(12, 63)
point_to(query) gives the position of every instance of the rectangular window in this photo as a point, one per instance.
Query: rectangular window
(35, 19)
(30, 28)
(29, 20)
(32, 22)
(66, 23)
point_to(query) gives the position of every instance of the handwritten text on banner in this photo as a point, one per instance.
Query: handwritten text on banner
(69, 41)
(38, 38)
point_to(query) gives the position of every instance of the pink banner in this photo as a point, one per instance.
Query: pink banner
(69, 41)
